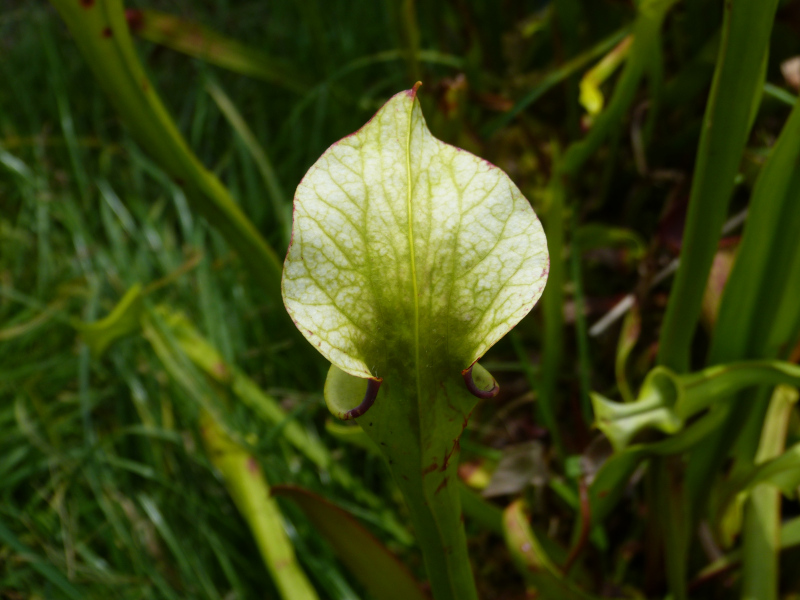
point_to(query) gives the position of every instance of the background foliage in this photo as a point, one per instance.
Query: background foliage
(109, 486)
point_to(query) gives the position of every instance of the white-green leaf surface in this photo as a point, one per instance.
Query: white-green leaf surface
(408, 252)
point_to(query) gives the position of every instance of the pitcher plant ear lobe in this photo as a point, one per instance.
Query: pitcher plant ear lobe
(474, 389)
(373, 385)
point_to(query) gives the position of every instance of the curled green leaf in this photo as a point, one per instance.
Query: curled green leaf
(122, 321)
(667, 400)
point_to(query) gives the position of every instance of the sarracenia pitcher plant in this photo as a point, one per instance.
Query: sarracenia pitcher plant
(409, 259)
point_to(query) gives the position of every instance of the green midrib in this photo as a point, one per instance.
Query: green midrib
(440, 535)
(412, 251)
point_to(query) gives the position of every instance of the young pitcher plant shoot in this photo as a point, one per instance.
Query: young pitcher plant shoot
(410, 258)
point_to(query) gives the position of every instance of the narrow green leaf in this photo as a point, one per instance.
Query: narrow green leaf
(762, 270)
(737, 85)
(553, 309)
(280, 208)
(367, 559)
(762, 513)
(759, 316)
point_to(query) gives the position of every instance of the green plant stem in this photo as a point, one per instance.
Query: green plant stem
(669, 501)
(250, 492)
(441, 536)
(427, 475)
(418, 435)
(736, 88)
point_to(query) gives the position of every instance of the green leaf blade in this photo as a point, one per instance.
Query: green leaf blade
(409, 251)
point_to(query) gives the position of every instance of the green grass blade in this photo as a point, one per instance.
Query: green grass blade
(44, 568)
(280, 208)
(582, 338)
(553, 310)
(101, 32)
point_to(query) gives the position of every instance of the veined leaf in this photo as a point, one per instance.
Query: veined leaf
(409, 259)
(408, 251)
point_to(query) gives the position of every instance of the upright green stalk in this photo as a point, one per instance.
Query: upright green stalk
(735, 91)
(431, 493)
(249, 490)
